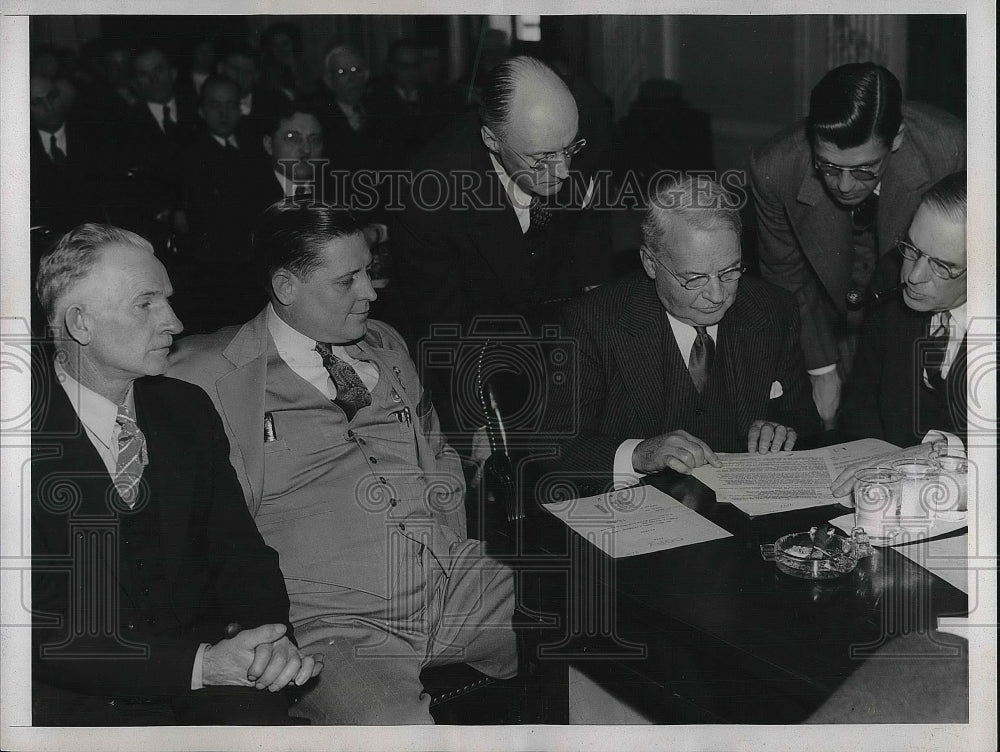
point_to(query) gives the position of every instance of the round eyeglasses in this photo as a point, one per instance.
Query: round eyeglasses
(861, 174)
(938, 267)
(698, 281)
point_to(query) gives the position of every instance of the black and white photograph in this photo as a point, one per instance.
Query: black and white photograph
(429, 377)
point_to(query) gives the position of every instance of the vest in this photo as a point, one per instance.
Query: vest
(710, 416)
(342, 499)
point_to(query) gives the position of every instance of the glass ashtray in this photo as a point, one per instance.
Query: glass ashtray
(819, 554)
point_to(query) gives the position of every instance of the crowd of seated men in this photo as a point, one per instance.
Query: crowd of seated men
(318, 448)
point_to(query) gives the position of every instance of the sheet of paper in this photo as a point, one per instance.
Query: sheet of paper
(636, 520)
(760, 484)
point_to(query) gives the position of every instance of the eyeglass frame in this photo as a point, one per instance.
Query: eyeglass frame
(741, 268)
(831, 170)
(550, 157)
(933, 262)
(358, 69)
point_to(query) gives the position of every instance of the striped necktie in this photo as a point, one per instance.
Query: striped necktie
(352, 394)
(937, 349)
(132, 456)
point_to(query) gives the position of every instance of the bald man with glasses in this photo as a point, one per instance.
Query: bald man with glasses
(832, 194)
(686, 359)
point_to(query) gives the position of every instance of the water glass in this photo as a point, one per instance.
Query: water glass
(877, 494)
(921, 490)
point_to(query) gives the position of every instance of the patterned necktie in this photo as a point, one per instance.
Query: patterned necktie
(131, 455)
(352, 394)
(702, 355)
(58, 155)
(937, 348)
(538, 214)
(168, 121)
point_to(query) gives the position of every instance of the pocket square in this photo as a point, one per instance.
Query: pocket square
(776, 390)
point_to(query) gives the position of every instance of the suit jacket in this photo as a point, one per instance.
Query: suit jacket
(217, 567)
(63, 196)
(805, 239)
(465, 255)
(885, 397)
(231, 365)
(626, 383)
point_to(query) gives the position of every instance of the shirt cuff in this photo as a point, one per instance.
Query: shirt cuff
(822, 370)
(199, 658)
(623, 473)
(955, 445)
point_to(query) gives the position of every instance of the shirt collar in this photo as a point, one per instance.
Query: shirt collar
(518, 197)
(288, 341)
(224, 141)
(96, 412)
(288, 186)
(958, 322)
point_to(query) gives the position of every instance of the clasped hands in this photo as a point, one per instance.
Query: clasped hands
(262, 658)
(680, 451)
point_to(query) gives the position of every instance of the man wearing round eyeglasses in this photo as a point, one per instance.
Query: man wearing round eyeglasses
(684, 360)
(833, 193)
(910, 372)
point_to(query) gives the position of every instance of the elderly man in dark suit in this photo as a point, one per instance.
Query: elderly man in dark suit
(833, 194)
(909, 376)
(146, 563)
(685, 360)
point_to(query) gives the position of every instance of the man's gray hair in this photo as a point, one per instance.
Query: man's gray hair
(697, 201)
(72, 259)
(335, 52)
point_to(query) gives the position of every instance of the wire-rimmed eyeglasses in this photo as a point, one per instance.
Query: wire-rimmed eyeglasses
(698, 281)
(550, 158)
(938, 267)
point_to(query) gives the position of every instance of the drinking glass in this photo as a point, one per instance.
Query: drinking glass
(877, 494)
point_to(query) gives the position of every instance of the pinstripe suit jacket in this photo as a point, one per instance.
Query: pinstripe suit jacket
(629, 374)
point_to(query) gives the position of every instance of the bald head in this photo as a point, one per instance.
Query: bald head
(528, 113)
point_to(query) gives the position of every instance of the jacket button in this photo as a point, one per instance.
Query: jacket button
(392, 502)
(145, 591)
(151, 621)
(350, 435)
(130, 627)
(373, 460)
(138, 563)
(402, 526)
(381, 479)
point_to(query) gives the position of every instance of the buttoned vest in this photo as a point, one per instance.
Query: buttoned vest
(341, 497)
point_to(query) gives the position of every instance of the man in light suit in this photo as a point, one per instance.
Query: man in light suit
(346, 472)
(685, 360)
(910, 372)
(833, 194)
(146, 565)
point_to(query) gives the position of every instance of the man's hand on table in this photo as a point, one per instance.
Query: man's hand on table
(767, 436)
(843, 484)
(261, 658)
(826, 395)
(677, 450)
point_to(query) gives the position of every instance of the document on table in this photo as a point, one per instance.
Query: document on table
(769, 483)
(636, 520)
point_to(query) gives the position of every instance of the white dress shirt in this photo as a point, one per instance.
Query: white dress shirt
(157, 110)
(684, 335)
(99, 417)
(519, 200)
(299, 352)
(60, 140)
(956, 333)
(223, 142)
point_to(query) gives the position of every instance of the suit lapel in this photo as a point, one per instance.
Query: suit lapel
(741, 345)
(906, 178)
(241, 398)
(644, 327)
(166, 473)
(824, 232)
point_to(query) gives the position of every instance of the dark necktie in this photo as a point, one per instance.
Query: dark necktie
(58, 155)
(352, 394)
(937, 347)
(539, 215)
(168, 122)
(863, 215)
(131, 455)
(702, 355)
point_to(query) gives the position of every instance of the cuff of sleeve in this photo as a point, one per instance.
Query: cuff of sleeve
(199, 657)
(623, 472)
(955, 445)
(822, 370)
